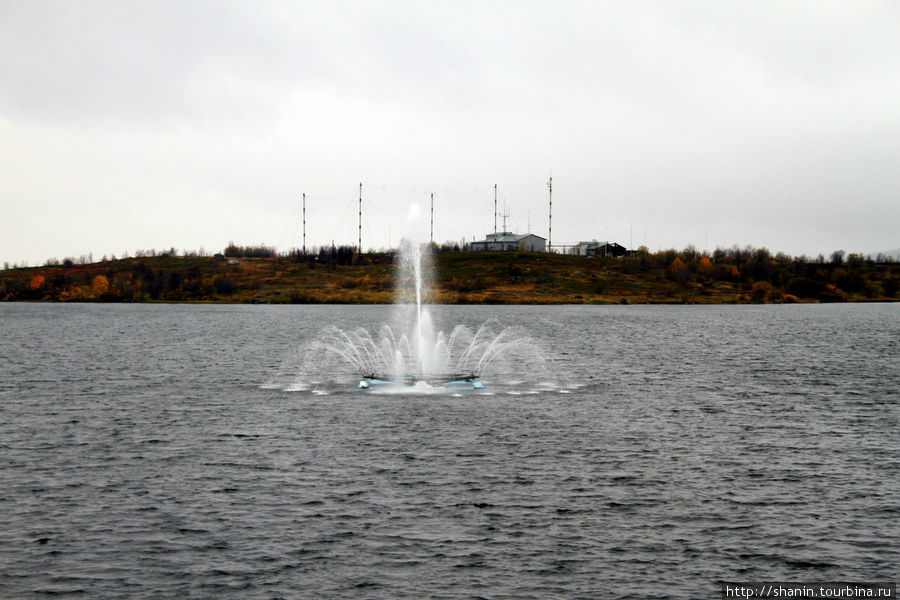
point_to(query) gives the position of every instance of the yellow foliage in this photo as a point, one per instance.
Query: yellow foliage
(37, 282)
(100, 285)
(677, 266)
(78, 293)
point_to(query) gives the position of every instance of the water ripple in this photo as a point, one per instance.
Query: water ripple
(689, 447)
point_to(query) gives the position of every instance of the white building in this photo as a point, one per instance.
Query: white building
(511, 241)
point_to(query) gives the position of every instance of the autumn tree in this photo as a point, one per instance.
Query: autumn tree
(100, 285)
(678, 271)
(704, 268)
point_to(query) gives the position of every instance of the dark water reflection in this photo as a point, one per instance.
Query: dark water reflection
(143, 456)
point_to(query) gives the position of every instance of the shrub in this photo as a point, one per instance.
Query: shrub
(760, 290)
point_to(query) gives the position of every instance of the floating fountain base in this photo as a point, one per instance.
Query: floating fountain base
(450, 381)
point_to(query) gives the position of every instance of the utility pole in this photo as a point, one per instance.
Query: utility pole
(304, 223)
(359, 242)
(495, 208)
(550, 222)
(432, 218)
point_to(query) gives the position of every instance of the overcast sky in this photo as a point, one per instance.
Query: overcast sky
(128, 125)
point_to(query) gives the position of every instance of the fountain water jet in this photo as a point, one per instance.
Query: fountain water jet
(410, 354)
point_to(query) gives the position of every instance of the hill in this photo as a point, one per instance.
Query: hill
(735, 276)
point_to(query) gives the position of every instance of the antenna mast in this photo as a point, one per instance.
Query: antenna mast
(304, 223)
(495, 208)
(550, 221)
(505, 216)
(360, 220)
(432, 217)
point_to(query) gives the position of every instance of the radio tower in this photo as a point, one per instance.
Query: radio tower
(359, 241)
(495, 208)
(304, 223)
(550, 222)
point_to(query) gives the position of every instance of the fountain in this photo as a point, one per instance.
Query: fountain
(409, 355)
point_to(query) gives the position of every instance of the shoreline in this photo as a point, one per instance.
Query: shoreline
(463, 278)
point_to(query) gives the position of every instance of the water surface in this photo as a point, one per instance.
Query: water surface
(144, 455)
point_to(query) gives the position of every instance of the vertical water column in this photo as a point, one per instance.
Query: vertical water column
(420, 342)
(409, 294)
(412, 312)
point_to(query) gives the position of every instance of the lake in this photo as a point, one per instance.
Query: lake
(148, 454)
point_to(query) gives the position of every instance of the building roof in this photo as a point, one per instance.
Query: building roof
(509, 237)
(596, 244)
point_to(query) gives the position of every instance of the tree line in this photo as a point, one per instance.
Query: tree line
(132, 281)
(779, 277)
(754, 274)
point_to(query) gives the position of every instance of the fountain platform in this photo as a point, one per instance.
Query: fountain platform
(454, 381)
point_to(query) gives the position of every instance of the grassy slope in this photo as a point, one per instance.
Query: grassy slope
(464, 278)
(530, 278)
